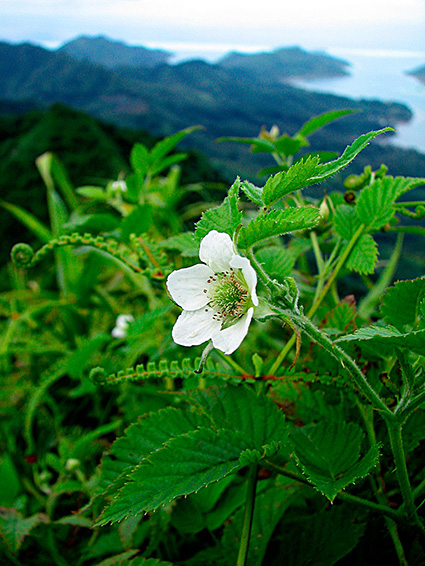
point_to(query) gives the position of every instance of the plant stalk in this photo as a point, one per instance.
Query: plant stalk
(248, 515)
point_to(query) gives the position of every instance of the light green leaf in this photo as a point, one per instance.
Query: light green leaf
(139, 159)
(276, 223)
(163, 147)
(322, 120)
(346, 221)
(384, 339)
(277, 261)
(401, 303)
(184, 465)
(363, 256)
(326, 170)
(224, 218)
(253, 192)
(328, 454)
(185, 243)
(283, 183)
(375, 203)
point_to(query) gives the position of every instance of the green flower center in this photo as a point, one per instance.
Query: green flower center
(228, 294)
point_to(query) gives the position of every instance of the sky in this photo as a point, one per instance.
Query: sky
(221, 24)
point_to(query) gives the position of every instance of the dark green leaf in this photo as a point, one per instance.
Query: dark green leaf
(401, 303)
(384, 339)
(137, 222)
(14, 527)
(328, 454)
(363, 256)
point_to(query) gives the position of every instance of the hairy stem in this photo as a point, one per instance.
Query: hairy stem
(248, 515)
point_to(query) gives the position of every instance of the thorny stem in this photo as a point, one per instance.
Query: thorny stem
(248, 515)
(342, 259)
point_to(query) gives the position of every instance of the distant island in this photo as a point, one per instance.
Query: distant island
(112, 53)
(286, 63)
(418, 73)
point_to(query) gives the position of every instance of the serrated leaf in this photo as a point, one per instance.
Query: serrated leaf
(375, 203)
(242, 410)
(224, 218)
(322, 120)
(253, 192)
(283, 183)
(326, 170)
(277, 261)
(328, 454)
(404, 184)
(183, 466)
(346, 221)
(140, 440)
(185, 243)
(321, 538)
(277, 223)
(401, 303)
(14, 527)
(386, 338)
(363, 256)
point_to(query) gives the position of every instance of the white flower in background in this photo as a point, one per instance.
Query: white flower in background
(218, 296)
(119, 186)
(121, 325)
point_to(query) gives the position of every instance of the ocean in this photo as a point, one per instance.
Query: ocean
(374, 74)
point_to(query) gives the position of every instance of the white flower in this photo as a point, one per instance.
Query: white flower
(119, 186)
(218, 296)
(121, 325)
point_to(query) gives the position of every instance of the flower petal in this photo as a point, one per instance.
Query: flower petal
(195, 327)
(217, 250)
(229, 339)
(249, 274)
(186, 286)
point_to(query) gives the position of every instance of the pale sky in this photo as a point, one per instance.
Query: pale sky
(397, 24)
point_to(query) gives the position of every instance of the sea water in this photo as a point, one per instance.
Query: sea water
(381, 75)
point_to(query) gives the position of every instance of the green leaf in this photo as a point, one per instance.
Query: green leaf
(322, 120)
(328, 454)
(92, 192)
(346, 221)
(326, 170)
(363, 256)
(277, 261)
(270, 505)
(14, 527)
(401, 303)
(283, 183)
(402, 185)
(285, 145)
(253, 192)
(54, 173)
(276, 223)
(10, 486)
(320, 539)
(185, 243)
(139, 158)
(184, 465)
(375, 203)
(259, 145)
(137, 222)
(163, 147)
(384, 339)
(39, 229)
(242, 410)
(143, 438)
(224, 218)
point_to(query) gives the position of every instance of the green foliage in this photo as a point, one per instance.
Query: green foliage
(175, 459)
(224, 218)
(328, 454)
(277, 223)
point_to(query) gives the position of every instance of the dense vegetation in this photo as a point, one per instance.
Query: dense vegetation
(324, 408)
